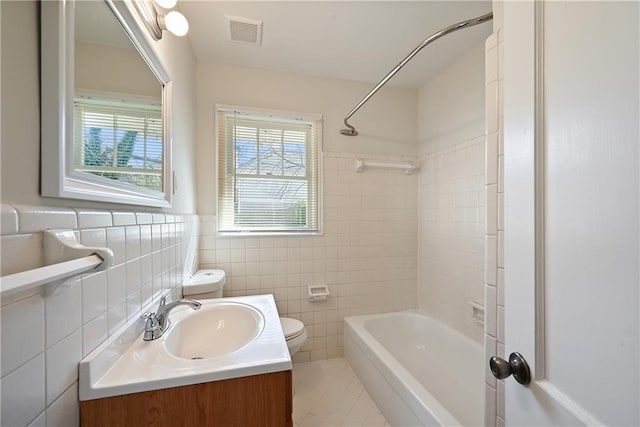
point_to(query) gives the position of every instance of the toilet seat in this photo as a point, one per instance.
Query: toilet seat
(292, 328)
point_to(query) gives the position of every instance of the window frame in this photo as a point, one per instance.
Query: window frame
(277, 114)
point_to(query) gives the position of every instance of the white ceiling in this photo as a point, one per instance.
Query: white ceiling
(360, 40)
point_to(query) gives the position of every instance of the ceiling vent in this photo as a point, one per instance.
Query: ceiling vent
(244, 30)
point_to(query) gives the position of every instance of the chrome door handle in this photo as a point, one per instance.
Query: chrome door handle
(516, 365)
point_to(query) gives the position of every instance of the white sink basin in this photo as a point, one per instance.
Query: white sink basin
(214, 330)
(225, 338)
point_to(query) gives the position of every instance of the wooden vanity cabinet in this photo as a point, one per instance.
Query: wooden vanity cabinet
(259, 400)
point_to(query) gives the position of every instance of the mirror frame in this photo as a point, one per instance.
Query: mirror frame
(58, 177)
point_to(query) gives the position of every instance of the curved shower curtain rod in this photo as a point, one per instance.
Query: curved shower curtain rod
(351, 131)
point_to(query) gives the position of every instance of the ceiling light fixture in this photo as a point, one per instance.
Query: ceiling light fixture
(156, 19)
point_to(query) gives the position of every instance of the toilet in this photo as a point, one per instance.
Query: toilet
(204, 284)
(294, 333)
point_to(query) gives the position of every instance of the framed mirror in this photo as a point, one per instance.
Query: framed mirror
(106, 106)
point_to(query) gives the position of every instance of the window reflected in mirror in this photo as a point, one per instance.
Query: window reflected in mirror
(118, 128)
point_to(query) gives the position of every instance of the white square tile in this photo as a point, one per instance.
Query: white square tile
(491, 159)
(117, 316)
(22, 393)
(146, 246)
(62, 365)
(491, 259)
(63, 313)
(500, 249)
(500, 400)
(492, 209)
(132, 244)
(94, 218)
(158, 218)
(124, 218)
(117, 284)
(490, 406)
(490, 350)
(501, 287)
(96, 237)
(21, 252)
(117, 243)
(144, 218)
(17, 345)
(94, 333)
(491, 64)
(134, 278)
(500, 323)
(94, 295)
(66, 410)
(490, 311)
(491, 107)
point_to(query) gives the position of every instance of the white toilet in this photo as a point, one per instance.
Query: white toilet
(204, 284)
(294, 333)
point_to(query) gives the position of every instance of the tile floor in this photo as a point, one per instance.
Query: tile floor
(328, 393)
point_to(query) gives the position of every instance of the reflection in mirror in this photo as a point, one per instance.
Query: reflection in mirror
(106, 105)
(117, 103)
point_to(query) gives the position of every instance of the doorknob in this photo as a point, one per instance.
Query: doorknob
(516, 365)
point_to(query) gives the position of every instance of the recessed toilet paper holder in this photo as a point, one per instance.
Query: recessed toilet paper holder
(317, 292)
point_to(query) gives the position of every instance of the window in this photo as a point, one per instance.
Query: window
(119, 139)
(268, 171)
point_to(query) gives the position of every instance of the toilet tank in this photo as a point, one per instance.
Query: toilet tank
(204, 284)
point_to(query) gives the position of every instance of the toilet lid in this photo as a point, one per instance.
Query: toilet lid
(291, 327)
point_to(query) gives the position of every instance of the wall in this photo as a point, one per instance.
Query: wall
(20, 171)
(367, 253)
(114, 70)
(46, 331)
(451, 217)
(494, 239)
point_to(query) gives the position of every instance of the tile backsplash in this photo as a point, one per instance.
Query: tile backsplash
(366, 254)
(47, 330)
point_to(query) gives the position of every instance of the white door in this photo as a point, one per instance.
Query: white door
(572, 195)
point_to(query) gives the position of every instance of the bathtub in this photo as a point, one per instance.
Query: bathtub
(419, 372)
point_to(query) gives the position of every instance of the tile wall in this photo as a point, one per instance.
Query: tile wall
(48, 330)
(451, 234)
(494, 267)
(367, 254)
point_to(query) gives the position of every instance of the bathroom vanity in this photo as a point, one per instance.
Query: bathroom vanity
(223, 364)
(258, 400)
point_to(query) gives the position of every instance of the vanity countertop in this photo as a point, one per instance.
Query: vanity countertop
(125, 363)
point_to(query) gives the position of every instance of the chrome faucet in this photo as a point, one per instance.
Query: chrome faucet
(157, 323)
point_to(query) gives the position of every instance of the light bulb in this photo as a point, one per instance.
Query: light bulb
(166, 4)
(176, 23)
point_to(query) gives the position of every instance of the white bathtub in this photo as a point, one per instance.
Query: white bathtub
(420, 372)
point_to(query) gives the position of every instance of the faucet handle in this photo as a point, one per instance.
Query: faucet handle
(162, 303)
(151, 326)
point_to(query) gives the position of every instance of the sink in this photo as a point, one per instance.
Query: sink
(214, 330)
(226, 338)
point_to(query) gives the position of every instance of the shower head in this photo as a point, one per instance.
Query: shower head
(348, 132)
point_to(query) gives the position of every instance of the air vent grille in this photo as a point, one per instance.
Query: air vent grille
(244, 30)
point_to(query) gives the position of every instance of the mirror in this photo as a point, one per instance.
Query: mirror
(111, 139)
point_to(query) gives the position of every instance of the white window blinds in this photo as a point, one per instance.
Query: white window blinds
(268, 172)
(119, 140)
